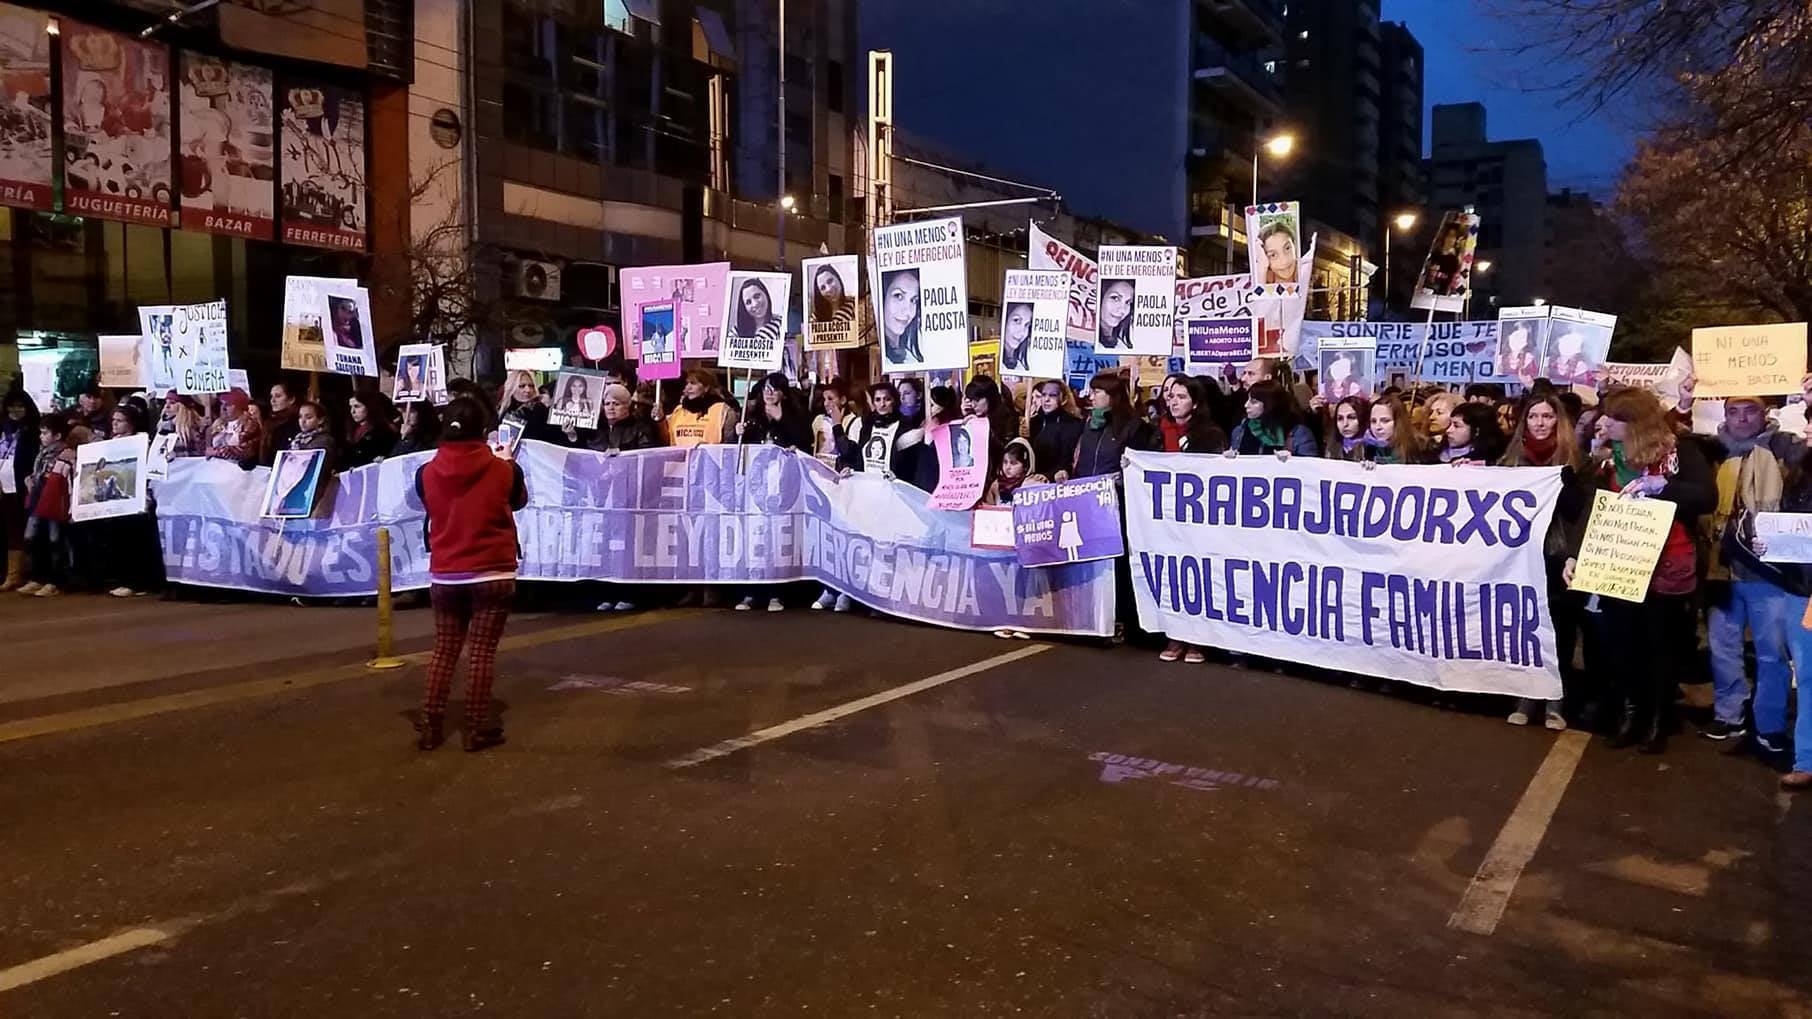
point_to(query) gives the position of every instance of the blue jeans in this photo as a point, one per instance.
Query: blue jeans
(1766, 610)
(1800, 640)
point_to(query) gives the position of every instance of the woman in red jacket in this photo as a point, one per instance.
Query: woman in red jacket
(470, 496)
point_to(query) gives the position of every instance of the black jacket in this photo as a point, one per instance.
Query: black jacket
(631, 433)
(534, 423)
(1098, 451)
(791, 431)
(1054, 438)
(375, 445)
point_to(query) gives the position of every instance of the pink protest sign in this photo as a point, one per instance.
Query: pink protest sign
(694, 295)
(962, 463)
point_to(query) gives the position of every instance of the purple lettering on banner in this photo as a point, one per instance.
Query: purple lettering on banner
(721, 514)
(1069, 522)
(1222, 340)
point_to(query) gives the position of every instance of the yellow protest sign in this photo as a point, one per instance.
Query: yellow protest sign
(1622, 544)
(1749, 360)
(984, 357)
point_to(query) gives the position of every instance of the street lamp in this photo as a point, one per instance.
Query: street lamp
(787, 202)
(1403, 221)
(1483, 265)
(1279, 146)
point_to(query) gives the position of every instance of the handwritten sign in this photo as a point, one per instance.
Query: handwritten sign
(1788, 535)
(1622, 544)
(1749, 360)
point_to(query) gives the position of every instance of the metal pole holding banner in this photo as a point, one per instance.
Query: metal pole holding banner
(386, 652)
(1422, 348)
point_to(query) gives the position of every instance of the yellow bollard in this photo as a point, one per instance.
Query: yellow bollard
(386, 657)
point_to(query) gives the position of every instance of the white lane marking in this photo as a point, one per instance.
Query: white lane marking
(1489, 893)
(81, 955)
(817, 718)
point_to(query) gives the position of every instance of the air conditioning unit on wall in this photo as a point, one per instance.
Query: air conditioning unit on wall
(537, 280)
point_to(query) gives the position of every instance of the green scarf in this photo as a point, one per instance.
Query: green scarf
(1269, 435)
(1097, 418)
(1625, 473)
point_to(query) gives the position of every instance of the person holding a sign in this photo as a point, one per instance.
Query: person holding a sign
(1345, 438)
(624, 429)
(125, 558)
(1544, 437)
(1743, 592)
(18, 453)
(1796, 578)
(870, 444)
(1643, 458)
(702, 415)
(522, 401)
(774, 416)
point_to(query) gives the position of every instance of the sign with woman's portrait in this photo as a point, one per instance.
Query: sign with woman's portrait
(1274, 242)
(346, 328)
(831, 303)
(295, 479)
(754, 325)
(922, 313)
(110, 478)
(1447, 273)
(1034, 309)
(1138, 300)
(578, 398)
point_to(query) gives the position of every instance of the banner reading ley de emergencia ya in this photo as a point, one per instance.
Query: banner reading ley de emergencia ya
(1433, 575)
(723, 514)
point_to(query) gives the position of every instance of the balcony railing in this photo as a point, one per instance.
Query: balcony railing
(1241, 75)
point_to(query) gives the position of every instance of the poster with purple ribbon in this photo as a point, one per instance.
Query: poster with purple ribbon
(1069, 522)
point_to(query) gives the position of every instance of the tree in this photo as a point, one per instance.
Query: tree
(438, 275)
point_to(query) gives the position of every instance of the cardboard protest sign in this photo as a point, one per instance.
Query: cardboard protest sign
(1214, 341)
(1578, 341)
(658, 327)
(413, 381)
(1274, 242)
(832, 299)
(1766, 360)
(922, 316)
(110, 478)
(1138, 296)
(157, 461)
(991, 527)
(1046, 252)
(346, 329)
(1446, 276)
(1522, 339)
(1622, 544)
(754, 323)
(1069, 522)
(962, 460)
(984, 357)
(188, 346)
(1788, 536)
(294, 480)
(1034, 303)
(304, 348)
(578, 398)
(697, 295)
(1348, 368)
(123, 364)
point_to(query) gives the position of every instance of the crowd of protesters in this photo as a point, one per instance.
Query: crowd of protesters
(1622, 663)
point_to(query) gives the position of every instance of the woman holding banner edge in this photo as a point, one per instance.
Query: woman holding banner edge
(1643, 458)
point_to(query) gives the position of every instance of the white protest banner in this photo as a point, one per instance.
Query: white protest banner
(831, 302)
(754, 325)
(1274, 242)
(1623, 542)
(240, 379)
(188, 345)
(923, 295)
(1034, 303)
(1522, 340)
(1446, 276)
(962, 461)
(110, 478)
(1046, 252)
(1279, 309)
(1788, 536)
(1348, 368)
(1138, 296)
(123, 363)
(1766, 360)
(1578, 341)
(1430, 575)
(1458, 352)
(346, 329)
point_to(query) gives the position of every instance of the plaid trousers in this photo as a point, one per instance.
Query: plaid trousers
(462, 611)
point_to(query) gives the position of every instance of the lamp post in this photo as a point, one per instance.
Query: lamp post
(1403, 221)
(1279, 146)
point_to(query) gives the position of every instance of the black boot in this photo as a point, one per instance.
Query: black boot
(430, 731)
(1654, 735)
(1628, 732)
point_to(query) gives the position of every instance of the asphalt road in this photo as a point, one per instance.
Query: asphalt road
(213, 810)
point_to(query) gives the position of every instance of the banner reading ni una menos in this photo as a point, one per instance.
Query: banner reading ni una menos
(723, 514)
(1432, 575)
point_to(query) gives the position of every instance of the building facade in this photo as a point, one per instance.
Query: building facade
(1506, 183)
(1400, 185)
(146, 159)
(1334, 73)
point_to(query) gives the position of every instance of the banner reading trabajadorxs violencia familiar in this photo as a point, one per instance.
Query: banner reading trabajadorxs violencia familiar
(1432, 575)
(714, 514)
